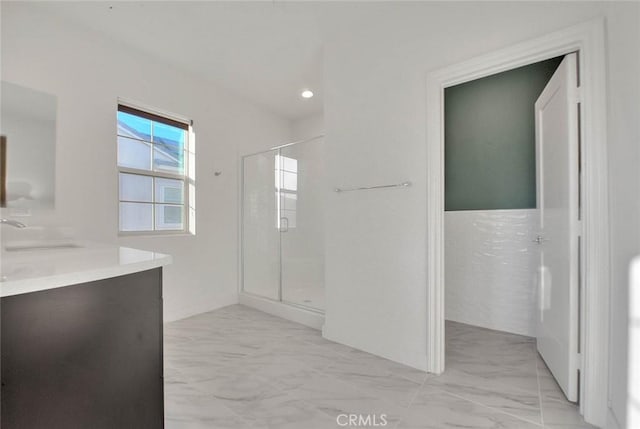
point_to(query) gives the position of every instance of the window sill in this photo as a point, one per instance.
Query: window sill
(154, 234)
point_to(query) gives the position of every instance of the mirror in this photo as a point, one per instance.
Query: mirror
(27, 151)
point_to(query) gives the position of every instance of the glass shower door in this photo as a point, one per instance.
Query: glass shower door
(261, 226)
(300, 171)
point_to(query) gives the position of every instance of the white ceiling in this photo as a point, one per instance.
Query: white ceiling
(27, 102)
(264, 51)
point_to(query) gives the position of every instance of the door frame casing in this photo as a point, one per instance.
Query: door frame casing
(589, 40)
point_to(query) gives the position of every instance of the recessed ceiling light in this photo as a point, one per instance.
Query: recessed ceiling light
(307, 93)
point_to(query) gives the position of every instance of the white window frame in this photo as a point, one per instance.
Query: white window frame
(281, 190)
(186, 177)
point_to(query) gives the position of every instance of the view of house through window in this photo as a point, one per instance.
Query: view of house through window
(152, 171)
(286, 177)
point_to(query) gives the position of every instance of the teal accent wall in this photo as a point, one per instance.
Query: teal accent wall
(490, 160)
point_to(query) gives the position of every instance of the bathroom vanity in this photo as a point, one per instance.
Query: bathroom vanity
(81, 338)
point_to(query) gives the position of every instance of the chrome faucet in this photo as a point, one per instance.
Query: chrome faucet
(13, 223)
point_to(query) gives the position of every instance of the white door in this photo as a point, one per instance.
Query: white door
(558, 172)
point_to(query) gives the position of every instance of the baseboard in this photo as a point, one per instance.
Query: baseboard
(482, 324)
(200, 308)
(300, 315)
(418, 362)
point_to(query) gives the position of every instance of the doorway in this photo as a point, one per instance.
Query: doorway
(511, 216)
(588, 39)
(490, 199)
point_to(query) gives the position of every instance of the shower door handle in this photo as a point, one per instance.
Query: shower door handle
(284, 224)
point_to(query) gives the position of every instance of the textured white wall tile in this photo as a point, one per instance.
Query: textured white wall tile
(490, 266)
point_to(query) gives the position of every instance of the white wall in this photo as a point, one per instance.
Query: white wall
(490, 265)
(624, 184)
(307, 127)
(377, 58)
(87, 73)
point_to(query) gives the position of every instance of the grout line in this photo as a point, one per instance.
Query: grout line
(270, 348)
(539, 389)
(238, 363)
(488, 407)
(413, 398)
(504, 384)
(322, 372)
(390, 371)
(214, 398)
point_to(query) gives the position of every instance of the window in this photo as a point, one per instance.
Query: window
(153, 151)
(286, 177)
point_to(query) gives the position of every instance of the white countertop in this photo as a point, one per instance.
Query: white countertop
(24, 271)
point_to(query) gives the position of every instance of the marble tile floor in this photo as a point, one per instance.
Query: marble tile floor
(237, 367)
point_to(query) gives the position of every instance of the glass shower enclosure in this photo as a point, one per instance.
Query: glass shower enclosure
(283, 224)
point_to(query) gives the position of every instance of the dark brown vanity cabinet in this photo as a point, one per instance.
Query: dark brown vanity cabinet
(85, 356)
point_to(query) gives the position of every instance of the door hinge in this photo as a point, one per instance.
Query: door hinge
(579, 361)
(577, 94)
